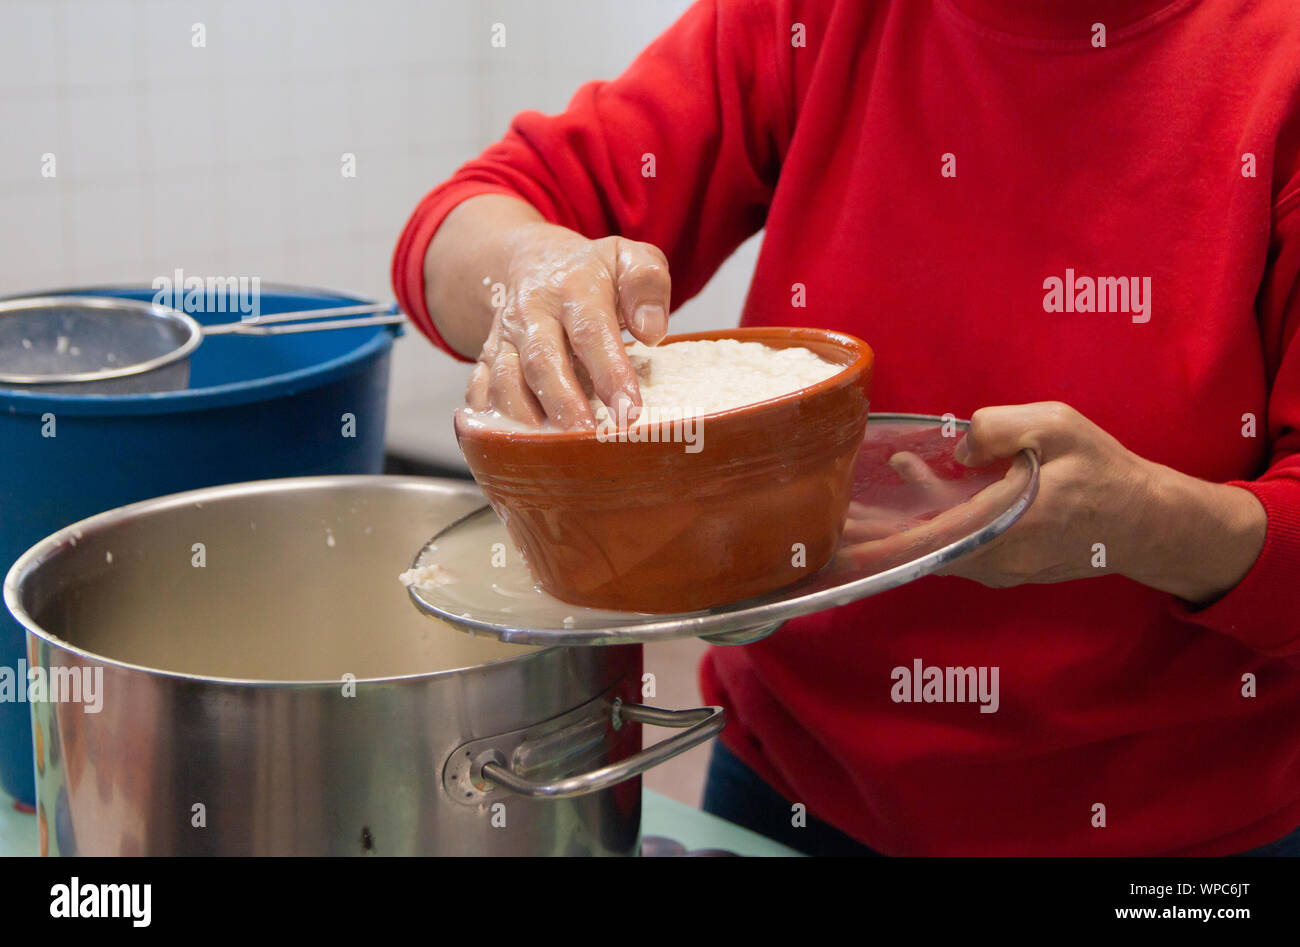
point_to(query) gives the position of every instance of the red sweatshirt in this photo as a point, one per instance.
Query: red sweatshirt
(924, 168)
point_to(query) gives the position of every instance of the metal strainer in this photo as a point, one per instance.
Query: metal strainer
(105, 345)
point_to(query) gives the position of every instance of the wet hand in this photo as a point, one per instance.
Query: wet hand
(567, 301)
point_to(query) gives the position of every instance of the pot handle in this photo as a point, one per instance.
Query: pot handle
(701, 723)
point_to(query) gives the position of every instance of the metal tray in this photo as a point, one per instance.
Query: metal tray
(915, 509)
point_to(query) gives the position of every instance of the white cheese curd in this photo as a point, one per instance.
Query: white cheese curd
(689, 379)
(708, 376)
(426, 577)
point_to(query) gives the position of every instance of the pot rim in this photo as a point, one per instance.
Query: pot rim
(53, 545)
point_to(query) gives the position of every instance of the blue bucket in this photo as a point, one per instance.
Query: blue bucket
(257, 407)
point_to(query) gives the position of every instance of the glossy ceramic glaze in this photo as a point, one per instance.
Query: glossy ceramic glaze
(659, 526)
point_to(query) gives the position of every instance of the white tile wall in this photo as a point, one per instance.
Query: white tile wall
(225, 159)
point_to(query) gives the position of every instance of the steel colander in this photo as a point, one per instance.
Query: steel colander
(106, 345)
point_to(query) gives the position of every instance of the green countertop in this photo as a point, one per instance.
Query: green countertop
(659, 816)
(17, 829)
(695, 829)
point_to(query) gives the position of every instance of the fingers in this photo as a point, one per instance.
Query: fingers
(531, 323)
(884, 538)
(476, 391)
(560, 335)
(597, 341)
(878, 535)
(913, 469)
(1048, 428)
(644, 289)
(509, 393)
(497, 383)
(867, 524)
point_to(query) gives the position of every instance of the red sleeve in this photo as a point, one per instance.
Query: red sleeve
(1263, 609)
(682, 150)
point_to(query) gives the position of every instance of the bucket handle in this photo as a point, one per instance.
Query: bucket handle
(697, 724)
(311, 320)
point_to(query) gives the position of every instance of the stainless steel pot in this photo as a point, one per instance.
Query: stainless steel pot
(267, 689)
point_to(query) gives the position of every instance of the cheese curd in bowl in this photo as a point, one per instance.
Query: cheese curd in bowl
(706, 376)
(732, 481)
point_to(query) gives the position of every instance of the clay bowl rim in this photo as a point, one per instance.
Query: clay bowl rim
(864, 362)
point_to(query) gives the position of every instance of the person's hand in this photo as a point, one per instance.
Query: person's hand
(1101, 508)
(931, 512)
(567, 301)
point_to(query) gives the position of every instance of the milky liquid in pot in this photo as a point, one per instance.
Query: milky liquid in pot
(506, 593)
(294, 588)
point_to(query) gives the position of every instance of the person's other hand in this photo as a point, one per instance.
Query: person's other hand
(882, 535)
(1091, 490)
(1101, 508)
(567, 301)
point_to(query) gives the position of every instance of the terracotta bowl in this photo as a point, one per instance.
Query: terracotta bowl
(652, 526)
